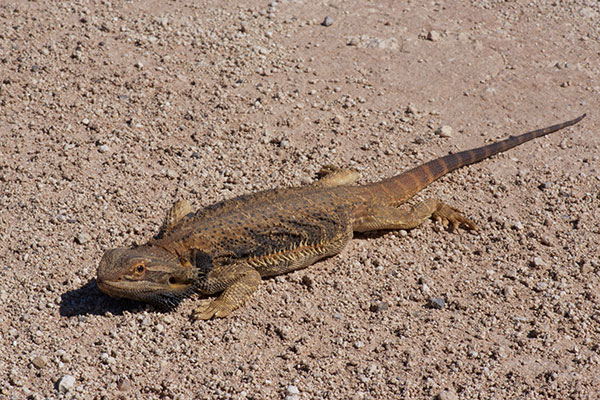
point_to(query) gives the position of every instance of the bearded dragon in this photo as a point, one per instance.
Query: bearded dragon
(229, 246)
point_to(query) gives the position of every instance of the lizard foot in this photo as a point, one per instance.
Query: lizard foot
(216, 308)
(240, 281)
(452, 218)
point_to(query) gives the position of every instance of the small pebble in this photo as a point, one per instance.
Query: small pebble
(293, 393)
(292, 389)
(433, 36)
(39, 362)
(518, 226)
(447, 394)
(307, 281)
(328, 21)
(107, 359)
(358, 344)
(82, 238)
(353, 41)
(64, 356)
(437, 302)
(103, 148)
(66, 383)
(533, 334)
(538, 262)
(444, 131)
(420, 140)
(379, 306)
(411, 109)
(124, 385)
(16, 377)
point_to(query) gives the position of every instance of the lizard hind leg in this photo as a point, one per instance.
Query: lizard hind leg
(331, 176)
(237, 282)
(385, 217)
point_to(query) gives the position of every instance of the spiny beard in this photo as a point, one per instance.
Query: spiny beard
(170, 301)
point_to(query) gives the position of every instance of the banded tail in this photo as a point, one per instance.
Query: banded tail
(401, 187)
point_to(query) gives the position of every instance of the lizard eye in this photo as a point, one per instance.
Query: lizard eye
(140, 268)
(172, 281)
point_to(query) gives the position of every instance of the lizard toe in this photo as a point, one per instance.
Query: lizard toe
(204, 311)
(216, 308)
(453, 218)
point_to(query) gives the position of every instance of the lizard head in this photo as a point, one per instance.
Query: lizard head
(146, 273)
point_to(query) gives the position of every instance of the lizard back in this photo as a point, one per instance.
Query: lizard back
(265, 229)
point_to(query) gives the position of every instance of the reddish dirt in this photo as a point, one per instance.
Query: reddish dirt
(111, 110)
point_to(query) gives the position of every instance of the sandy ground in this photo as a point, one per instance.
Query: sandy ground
(111, 110)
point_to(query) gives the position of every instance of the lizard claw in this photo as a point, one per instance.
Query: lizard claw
(452, 218)
(215, 308)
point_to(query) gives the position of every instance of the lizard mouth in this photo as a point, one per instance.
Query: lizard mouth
(166, 297)
(124, 288)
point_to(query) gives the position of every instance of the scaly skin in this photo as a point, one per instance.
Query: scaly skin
(228, 247)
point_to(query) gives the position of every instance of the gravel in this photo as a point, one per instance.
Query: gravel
(112, 110)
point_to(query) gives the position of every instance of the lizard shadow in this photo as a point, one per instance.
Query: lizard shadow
(89, 300)
(372, 234)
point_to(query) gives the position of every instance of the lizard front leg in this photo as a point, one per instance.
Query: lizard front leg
(380, 217)
(236, 281)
